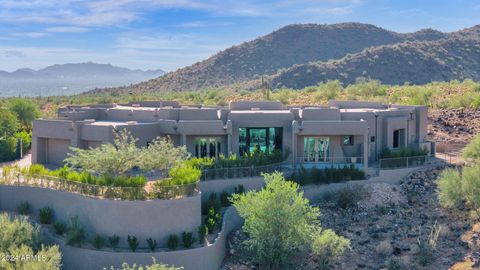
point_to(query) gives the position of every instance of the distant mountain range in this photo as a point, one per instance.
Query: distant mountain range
(305, 54)
(69, 79)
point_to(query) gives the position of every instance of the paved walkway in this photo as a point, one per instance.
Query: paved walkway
(24, 162)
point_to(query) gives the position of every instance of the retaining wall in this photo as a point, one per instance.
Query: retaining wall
(201, 258)
(229, 185)
(315, 192)
(155, 219)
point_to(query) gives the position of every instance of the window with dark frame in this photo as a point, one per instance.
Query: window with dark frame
(348, 140)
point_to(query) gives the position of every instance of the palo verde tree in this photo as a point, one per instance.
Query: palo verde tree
(123, 155)
(280, 221)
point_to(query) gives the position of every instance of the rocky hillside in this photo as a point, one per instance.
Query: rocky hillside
(291, 45)
(417, 62)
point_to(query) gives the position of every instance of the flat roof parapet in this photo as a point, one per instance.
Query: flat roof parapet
(255, 105)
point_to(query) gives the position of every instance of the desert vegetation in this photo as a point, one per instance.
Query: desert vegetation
(16, 116)
(280, 222)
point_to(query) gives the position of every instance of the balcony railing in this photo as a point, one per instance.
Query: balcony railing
(97, 191)
(331, 160)
(240, 172)
(402, 162)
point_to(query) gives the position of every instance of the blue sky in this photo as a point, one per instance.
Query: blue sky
(169, 34)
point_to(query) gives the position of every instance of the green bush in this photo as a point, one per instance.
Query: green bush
(304, 176)
(98, 242)
(403, 152)
(455, 187)
(132, 242)
(212, 219)
(328, 247)
(187, 239)
(279, 221)
(202, 234)
(75, 235)
(172, 242)
(23, 208)
(225, 199)
(211, 202)
(184, 175)
(46, 215)
(152, 244)
(19, 238)
(471, 152)
(113, 241)
(59, 227)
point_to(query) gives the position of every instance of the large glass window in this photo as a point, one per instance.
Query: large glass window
(316, 149)
(399, 138)
(260, 139)
(207, 147)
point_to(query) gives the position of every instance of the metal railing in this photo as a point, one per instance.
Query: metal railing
(402, 162)
(332, 160)
(239, 172)
(97, 191)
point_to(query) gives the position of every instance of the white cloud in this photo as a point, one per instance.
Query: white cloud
(67, 29)
(29, 34)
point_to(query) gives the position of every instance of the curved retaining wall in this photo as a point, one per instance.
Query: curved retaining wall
(155, 219)
(202, 258)
(229, 185)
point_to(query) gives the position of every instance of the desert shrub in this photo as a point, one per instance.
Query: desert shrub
(455, 187)
(75, 234)
(152, 244)
(346, 197)
(18, 238)
(23, 208)
(153, 266)
(403, 152)
(278, 220)
(304, 176)
(132, 242)
(113, 241)
(202, 233)
(225, 199)
(172, 242)
(328, 247)
(365, 89)
(471, 152)
(423, 253)
(181, 175)
(449, 188)
(187, 239)
(123, 155)
(394, 264)
(98, 242)
(46, 215)
(211, 202)
(59, 227)
(212, 219)
(329, 90)
(384, 248)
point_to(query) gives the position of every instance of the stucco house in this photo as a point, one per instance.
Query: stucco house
(342, 132)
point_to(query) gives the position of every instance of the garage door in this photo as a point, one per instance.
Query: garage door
(57, 151)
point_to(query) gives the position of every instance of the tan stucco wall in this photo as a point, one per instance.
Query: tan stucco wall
(144, 219)
(201, 258)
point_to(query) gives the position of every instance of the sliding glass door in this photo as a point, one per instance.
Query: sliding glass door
(259, 139)
(316, 149)
(207, 147)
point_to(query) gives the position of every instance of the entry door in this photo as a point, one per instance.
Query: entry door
(316, 149)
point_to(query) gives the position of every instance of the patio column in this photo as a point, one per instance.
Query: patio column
(229, 144)
(365, 150)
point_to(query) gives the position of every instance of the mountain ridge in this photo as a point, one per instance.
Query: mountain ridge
(282, 49)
